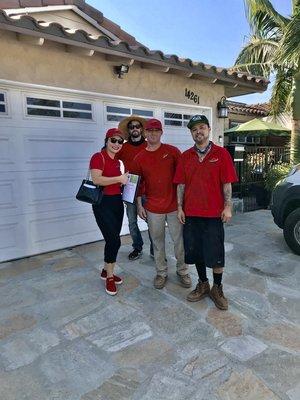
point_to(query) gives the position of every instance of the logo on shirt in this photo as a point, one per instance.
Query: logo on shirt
(165, 155)
(214, 160)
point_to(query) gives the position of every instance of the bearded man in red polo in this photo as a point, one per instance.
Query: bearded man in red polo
(204, 175)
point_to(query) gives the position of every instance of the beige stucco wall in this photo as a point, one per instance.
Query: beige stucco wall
(51, 65)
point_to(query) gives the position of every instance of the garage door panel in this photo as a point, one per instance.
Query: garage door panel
(65, 125)
(14, 238)
(179, 140)
(43, 191)
(63, 230)
(40, 191)
(63, 149)
(7, 150)
(8, 189)
(8, 236)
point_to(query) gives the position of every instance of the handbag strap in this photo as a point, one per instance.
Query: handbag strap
(89, 169)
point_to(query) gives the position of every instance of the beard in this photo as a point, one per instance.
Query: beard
(135, 134)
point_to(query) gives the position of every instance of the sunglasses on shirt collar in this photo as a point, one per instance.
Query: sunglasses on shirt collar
(114, 140)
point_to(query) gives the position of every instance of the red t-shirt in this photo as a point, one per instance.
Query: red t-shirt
(157, 169)
(128, 153)
(110, 167)
(203, 195)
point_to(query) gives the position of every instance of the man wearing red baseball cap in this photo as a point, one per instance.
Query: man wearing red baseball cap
(156, 165)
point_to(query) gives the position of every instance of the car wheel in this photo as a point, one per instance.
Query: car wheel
(291, 230)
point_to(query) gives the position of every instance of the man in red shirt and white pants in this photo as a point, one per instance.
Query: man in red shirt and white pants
(204, 175)
(156, 165)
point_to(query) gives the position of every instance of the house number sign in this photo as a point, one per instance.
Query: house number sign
(192, 96)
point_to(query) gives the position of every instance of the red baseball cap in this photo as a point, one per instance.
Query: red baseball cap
(153, 124)
(114, 132)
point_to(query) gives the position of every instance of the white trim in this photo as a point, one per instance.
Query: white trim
(27, 10)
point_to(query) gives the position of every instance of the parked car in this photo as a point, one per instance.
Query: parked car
(285, 206)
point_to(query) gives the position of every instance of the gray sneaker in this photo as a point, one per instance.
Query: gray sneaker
(185, 280)
(160, 281)
(202, 289)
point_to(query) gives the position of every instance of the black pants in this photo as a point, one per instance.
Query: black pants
(109, 218)
(204, 241)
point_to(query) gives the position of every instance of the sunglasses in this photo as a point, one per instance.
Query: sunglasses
(134, 126)
(114, 140)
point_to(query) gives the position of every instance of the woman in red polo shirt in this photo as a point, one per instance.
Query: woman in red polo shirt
(106, 172)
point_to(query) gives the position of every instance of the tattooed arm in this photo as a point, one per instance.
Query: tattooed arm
(227, 212)
(180, 195)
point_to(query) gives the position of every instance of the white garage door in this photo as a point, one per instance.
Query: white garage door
(46, 139)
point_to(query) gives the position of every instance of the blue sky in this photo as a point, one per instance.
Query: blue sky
(211, 31)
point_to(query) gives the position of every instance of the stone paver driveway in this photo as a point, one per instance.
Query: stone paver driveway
(63, 338)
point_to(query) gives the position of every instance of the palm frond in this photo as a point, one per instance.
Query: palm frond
(257, 57)
(264, 20)
(288, 53)
(281, 98)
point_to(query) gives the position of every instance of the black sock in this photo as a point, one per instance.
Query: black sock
(201, 269)
(217, 279)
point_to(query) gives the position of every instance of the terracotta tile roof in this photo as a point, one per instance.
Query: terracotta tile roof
(246, 109)
(235, 83)
(83, 6)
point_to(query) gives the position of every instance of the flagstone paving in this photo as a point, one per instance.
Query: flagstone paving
(63, 338)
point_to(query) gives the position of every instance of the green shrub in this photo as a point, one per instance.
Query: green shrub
(275, 174)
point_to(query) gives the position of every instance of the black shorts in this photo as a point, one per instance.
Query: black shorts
(204, 241)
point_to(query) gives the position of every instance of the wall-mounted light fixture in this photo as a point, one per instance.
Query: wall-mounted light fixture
(120, 70)
(222, 108)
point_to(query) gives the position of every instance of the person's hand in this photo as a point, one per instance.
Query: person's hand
(181, 215)
(124, 178)
(142, 212)
(226, 214)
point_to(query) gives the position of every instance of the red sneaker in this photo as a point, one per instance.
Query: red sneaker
(117, 279)
(110, 286)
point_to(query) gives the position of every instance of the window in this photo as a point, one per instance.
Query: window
(58, 108)
(179, 120)
(3, 104)
(245, 139)
(116, 113)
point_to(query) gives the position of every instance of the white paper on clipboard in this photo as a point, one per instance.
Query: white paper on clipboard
(130, 189)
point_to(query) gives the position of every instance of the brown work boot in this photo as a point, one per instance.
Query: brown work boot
(217, 296)
(185, 280)
(160, 281)
(202, 289)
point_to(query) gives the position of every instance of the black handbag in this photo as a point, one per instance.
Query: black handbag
(89, 192)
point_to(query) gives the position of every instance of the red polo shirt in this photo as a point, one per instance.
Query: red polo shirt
(110, 167)
(128, 153)
(157, 169)
(203, 195)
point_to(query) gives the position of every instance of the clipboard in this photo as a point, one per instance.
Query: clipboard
(131, 188)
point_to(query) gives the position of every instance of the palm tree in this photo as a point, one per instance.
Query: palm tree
(274, 48)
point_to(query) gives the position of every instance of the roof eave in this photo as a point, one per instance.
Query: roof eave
(235, 84)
